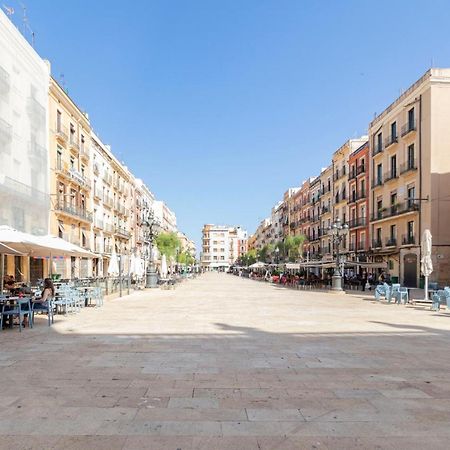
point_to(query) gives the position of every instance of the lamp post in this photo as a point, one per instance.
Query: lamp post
(337, 232)
(151, 226)
(277, 253)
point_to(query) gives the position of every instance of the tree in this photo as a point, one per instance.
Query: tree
(290, 247)
(167, 244)
(265, 251)
(185, 258)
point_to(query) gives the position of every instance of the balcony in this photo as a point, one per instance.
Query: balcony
(98, 247)
(356, 196)
(96, 169)
(84, 152)
(391, 140)
(392, 175)
(360, 169)
(376, 243)
(122, 232)
(377, 182)
(108, 248)
(73, 211)
(352, 175)
(325, 210)
(98, 224)
(377, 149)
(358, 222)
(391, 242)
(409, 127)
(108, 201)
(61, 134)
(72, 174)
(408, 239)
(340, 197)
(408, 166)
(338, 174)
(108, 228)
(73, 144)
(395, 210)
(107, 178)
(361, 246)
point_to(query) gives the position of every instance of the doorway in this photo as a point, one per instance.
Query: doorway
(410, 270)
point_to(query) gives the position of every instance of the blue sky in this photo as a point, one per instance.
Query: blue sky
(220, 106)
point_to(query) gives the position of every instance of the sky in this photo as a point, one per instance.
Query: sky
(221, 106)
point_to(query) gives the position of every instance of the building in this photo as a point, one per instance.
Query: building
(358, 203)
(71, 215)
(340, 183)
(315, 232)
(326, 208)
(410, 178)
(24, 166)
(288, 212)
(165, 216)
(222, 246)
(187, 245)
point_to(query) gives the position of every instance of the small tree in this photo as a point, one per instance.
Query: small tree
(168, 244)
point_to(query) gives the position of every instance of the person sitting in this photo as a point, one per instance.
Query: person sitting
(47, 293)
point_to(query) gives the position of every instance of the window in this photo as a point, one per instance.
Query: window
(379, 204)
(410, 157)
(378, 234)
(393, 166)
(410, 231)
(393, 198)
(362, 163)
(379, 174)
(393, 232)
(393, 131)
(362, 188)
(59, 158)
(379, 146)
(411, 119)
(411, 196)
(58, 120)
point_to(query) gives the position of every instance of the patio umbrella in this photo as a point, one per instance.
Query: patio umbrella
(139, 267)
(113, 268)
(163, 266)
(426, 265)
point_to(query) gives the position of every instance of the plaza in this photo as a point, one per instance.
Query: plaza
(224, 362)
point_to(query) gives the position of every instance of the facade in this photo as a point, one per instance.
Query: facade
(315, 232)
(165, 216)
(340, 183)
(410, 174)
(326, 210)
(71, 215)
(358, 203)
(222, 246)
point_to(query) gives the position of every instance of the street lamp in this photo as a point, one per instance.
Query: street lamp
(151, 226)
(337, 232)
(277, 252)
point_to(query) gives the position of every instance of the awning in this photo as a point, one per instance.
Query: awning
(5, 250)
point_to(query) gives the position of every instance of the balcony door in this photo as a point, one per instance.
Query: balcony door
(410, 270)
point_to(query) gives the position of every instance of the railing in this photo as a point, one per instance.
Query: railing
(377, 243)
(408, 239)
(354, 197)
(107, 200)
(108, 228)
(340, 197)
(358, 222)
(98, 193)
(390, 140)
(391, 242)
(392, 175)
(406, 167)
(107, 178)
(360, 169)
(73, 174)
(122, 232)
(377, 182)
(377, 149)
(74, 144)
(74, 211)
(61, 133)
(98, 247)
(325, 209)
(84, 151)
(98, 223)
(338, 174)
(361, 246)
(108, 249)
(395, 210)
(408, 127)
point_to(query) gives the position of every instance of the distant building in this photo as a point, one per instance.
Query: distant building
(222, 246)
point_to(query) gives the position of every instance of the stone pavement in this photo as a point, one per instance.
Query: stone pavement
(229, 363)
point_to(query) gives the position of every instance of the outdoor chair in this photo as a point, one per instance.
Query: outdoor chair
(45, 308)
(402, 294)
(21, 308)
(382, 289)
(393, 293)
(440, 297)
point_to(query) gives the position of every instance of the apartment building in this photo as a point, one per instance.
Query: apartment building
(358, 203)
(288, 212)
(165, 216)
(276, 225)
(143, 204)
(326, 207)
(187, 245)
(262, 233)
(24, 174)
(410, 175)
(305, 214)
(340, 182)
(221, 246)
(70, 179)
(316, 231)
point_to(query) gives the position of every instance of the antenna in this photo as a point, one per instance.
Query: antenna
(9, 10)
(26, 24)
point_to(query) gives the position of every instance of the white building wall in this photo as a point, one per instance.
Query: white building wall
(24, 166)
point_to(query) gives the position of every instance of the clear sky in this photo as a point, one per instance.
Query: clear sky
(220, 106)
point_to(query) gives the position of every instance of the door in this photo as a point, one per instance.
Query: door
(410, 270)
(36, 270)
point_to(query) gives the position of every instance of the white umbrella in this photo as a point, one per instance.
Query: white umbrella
(426, 265)
(139, 267)
(113, 267)
(163, 266)
(257, 265)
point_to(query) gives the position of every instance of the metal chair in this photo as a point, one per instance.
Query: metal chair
(439, 298)
(21, 308)
(382, 290)
(394, 292)
(402, 294)
(46, 308)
